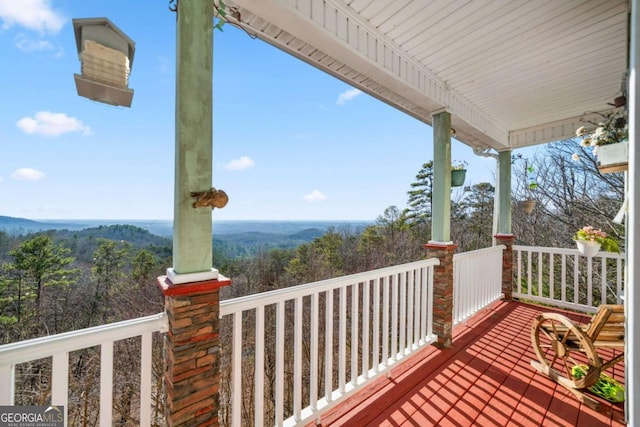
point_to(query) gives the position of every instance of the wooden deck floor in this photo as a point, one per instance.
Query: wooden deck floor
(485, 379)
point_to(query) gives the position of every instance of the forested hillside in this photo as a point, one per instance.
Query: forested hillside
(45, 275)
(56, 281)
(61, 280)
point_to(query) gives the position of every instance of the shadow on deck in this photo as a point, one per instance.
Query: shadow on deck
(484, 379)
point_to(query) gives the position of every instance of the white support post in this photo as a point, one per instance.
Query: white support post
(259, 368)
(106, 384)
(236, 383)
(146, 368)
(632, 297)
(8, 377)
(313, 369)
(60, 381)
(328, 344)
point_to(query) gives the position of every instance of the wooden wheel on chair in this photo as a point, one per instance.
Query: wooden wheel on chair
(560, 344)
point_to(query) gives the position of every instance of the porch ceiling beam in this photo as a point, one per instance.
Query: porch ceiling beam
(549, 132)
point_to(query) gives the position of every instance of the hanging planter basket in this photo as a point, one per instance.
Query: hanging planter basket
(457, 177)
(527, 206)
(613, 157)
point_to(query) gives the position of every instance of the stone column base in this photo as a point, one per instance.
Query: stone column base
(191, 352)
(507, 264)
(442, 291)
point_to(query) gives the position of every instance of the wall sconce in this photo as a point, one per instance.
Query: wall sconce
(106, 56)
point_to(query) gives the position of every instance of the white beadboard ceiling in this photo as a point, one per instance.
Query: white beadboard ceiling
(513, 73)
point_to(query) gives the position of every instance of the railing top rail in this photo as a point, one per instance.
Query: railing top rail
(11, 354)
(477, 252)
(565, 251)
(266, 298)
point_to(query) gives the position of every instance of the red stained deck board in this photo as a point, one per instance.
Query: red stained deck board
(484, 379)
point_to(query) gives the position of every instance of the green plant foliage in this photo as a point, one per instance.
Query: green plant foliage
(589, 233)
(221, 9)
(606, 387)
(458, 165)
(39, 263)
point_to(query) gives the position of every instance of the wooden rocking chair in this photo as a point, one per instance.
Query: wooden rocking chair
(556, 339)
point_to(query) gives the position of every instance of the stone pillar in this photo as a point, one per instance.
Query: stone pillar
(191, 352)
(442, 291)
(507, 264)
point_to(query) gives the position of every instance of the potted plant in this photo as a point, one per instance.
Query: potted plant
(609, 138)
(590, 240)
(529, 203)
(458, 173)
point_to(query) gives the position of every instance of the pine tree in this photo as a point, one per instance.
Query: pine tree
(419, 204)
(40, 263)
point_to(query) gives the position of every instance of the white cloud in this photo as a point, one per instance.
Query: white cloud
(348, 96)
(315, 196)
(26, 44)
(242, 163)
(27, 174)
(47, 123)
(36, 15)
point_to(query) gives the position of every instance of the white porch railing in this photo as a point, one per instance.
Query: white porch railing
(354, 327)
(289, 355)
(477, 281)
(58, 347)
(565, 278)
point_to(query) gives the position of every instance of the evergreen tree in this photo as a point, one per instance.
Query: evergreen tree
(419, 204)
(39, 263)
(144, 265)
(107, 272)
(472, 217)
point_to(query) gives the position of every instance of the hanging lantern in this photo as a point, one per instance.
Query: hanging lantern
(106, 56)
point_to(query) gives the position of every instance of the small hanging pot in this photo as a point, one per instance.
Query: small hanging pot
(527, 206)
(457, 177)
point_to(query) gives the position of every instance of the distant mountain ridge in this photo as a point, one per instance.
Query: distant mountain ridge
(231, 239)
(14, 225)
(164, 228)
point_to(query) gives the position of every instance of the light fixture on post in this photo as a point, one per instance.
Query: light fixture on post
(106, 56)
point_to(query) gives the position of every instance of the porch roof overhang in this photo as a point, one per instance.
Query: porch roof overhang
(511, 73)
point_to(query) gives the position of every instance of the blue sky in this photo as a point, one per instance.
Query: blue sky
(290, 142)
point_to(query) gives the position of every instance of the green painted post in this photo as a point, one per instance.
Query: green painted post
(504, 193)
(192, 252)
(441, 202)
